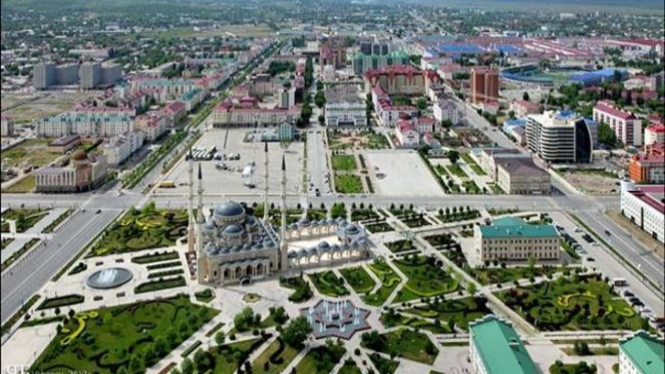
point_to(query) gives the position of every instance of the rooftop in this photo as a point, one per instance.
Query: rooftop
(500, 348)
(521, 166)
(646, 353)
(512, 227)
(660, 128)
(609, 108)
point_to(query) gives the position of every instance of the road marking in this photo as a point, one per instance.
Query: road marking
(54, 253)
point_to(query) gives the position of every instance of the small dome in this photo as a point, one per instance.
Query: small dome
(232, 229)
(229, 209)
(79, 155)
(312, 251)
(293, 254)
(302, 252)
(324, 245)
(351, 230)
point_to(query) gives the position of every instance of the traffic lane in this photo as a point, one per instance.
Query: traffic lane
(30, 275)
(647, 261)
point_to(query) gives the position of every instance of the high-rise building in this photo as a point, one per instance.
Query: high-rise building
(90, 74)
(484, 85)
(67, 74)
(43, 75)
(110, 73)
(560, 136)
(287, 97)
(363, 62)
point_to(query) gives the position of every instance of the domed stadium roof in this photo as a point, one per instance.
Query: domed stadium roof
(229, 209)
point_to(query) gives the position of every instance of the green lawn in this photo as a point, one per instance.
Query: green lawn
(321, 360)
(348, 184)
(140, 230)
(61, 301)
(401, 246)
(105, 340)
(456, 170)
(393, 319)
(160, 284)
(226, 357)
(459, 216)
(460, 311)
(363, 214)
(411, 345)
(303, 291)
(498, 275)
(30, 152)
(358, 278)
(328, 284)
(389, 280)
(344, 163)
(472, 164)
(25, 185)
(284, 354)
(573, 303)
(383, 365)
(425, 279)
(349, 367)
(379, 227)
(25, 218)
(471, 187)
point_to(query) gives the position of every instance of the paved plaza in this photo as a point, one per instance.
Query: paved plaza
(231, 181)
(401, 173)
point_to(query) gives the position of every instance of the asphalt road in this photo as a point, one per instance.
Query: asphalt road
(39, 265)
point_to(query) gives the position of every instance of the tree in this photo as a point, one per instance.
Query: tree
(525, 96)
(606, 135)
(453, 156)
(421, 104)
(187, 366)
(296, 332)
(472, 288)
(220, 338)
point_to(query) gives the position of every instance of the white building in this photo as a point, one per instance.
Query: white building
(407, 135)
(86, 123)
(446, 109)
(225, 115)
(654, 134)
(120, 147)
(641, 354)
(495, 348)
(560, 137)
(644, 206)
(344, 107)
(627, 128)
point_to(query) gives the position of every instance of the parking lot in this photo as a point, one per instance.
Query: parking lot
(400, 173)
(231, 181)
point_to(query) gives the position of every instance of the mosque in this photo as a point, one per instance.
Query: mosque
(234, 246)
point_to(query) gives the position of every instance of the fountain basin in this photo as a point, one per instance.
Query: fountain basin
(109, 278)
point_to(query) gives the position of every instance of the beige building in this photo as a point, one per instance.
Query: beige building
(514, 172)
(84, 173)
(513, 239)
(521, 176)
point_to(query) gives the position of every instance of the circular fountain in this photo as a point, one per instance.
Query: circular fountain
(109, 278)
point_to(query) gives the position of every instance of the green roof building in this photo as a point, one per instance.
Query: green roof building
(363, 62)
(513, 239)
(642, 354)
(495, 348)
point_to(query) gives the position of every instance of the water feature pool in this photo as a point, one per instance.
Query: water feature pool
(109, 278)
(339, 319)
